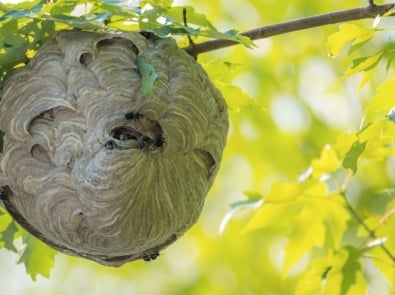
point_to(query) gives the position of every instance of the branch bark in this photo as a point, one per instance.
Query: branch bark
(370, 11)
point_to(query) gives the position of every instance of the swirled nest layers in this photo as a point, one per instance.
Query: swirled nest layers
(94, 166)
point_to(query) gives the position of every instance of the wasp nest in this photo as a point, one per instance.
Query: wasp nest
(94, 166)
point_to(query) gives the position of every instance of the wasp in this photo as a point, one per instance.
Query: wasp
(133, 116)
(159, 141)
(109, 145)
(150, 256)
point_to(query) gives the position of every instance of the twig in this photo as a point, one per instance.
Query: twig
(354, 213)
(184, 16)
(370, 11)
(346, 182)
(366, 227)
(387, 216)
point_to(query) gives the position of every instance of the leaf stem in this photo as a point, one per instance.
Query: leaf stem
(371, 232)
(370, 11)
(346, 182)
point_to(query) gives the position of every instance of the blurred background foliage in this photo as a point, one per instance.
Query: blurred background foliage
(295, 118)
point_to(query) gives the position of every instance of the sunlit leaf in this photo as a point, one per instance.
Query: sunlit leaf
(161, 3)
(364, 63)
(302, 239)
(343, 143)
(327, 163)
(282, 191)
(347, 33)
(379, 144)
(337, 273)
(379, 148)
(192, 17)
(383, 264)
(335, 216)
(327, 219)
(367, 76)
(384, 99)
(63, 7)
(222, 74)
(221, 70)
(254, 201)
(237, 99)
(302, 203)
(322, 274)
(283, 199)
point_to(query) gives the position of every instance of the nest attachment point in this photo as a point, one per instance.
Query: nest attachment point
(92, 164)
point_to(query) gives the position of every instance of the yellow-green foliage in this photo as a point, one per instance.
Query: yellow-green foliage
(309, 158)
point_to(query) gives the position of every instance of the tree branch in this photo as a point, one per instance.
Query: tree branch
(367, 228)
(370, 11)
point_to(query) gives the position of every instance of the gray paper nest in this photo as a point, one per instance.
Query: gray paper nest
(93, 167)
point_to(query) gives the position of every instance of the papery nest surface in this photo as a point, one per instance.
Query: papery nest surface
(94, 166)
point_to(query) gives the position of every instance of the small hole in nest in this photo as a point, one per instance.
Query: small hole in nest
(86, 58)
(40, 153)
(159, 141)
(125, 133)
(109, 145)
(118, 40)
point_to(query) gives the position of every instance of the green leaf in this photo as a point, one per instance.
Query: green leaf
(351, 159)
(148, 75)
(148, 20)
(350, 269)
(157, 3)
(192, 17)
(339, 272)
(8, 236)
(364, 63)
(37, 257)
(13, 40)
(231, 35)
(253, 196)
(8, 231)
(62, 7)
